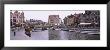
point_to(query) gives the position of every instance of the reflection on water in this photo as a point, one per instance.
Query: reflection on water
(53, 35)
(66, 35)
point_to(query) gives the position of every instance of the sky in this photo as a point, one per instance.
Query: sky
(43, 15)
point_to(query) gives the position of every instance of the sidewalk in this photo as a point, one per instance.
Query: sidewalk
(20, 35)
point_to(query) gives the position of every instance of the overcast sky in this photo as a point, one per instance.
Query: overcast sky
(43, 15)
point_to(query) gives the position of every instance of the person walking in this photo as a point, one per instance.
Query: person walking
(14, 29)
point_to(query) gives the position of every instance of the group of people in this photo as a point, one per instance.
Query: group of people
(28, 30)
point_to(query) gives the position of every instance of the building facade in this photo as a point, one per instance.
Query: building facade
(54, 20)
(92, 15)
(17, 18)
(71, 20)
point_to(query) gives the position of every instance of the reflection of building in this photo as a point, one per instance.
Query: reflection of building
(17, 18)
(54, 20)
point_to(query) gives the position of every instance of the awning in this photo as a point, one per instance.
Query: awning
(84, 23)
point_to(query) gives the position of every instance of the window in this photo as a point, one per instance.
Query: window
(51, 20)
(14, 20)
(14, 17)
